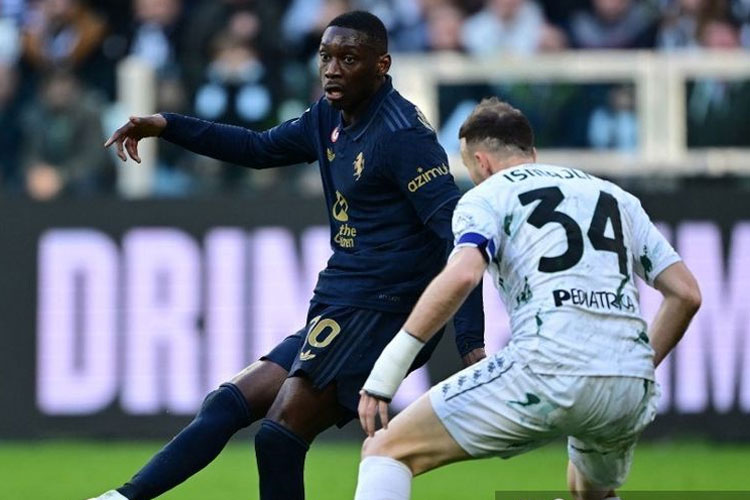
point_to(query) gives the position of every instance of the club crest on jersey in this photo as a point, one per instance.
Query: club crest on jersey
(359, 166)
(335, 133)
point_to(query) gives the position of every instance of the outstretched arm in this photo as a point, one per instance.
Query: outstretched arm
(437, 304)
(682, 298)
(289, 143)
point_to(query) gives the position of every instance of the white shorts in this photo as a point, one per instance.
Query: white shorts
(499, 407)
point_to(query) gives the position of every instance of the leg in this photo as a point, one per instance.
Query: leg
(225, 411)
(415, 442)
(299, 413)
(582, 489)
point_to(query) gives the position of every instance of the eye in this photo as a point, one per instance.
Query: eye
(350, 59)
(324, 57)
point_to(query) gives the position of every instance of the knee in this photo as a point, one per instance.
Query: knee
(380, 446)
(267, 439)
(376, 446)
(226, 404)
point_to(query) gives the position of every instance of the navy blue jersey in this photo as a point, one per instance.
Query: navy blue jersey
(388, 190)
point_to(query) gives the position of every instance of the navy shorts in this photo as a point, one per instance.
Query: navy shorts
(341, 344)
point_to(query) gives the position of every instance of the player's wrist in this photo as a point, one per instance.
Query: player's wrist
(392, 365)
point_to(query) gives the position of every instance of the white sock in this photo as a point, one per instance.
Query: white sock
(612, 498)
(110, 495)
(383, 478)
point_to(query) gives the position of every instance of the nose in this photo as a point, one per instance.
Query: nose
(332, 69)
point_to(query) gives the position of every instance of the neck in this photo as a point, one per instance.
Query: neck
(504, 163)
(352, 116)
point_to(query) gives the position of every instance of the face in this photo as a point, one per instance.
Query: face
(350, 69)
(472, 164)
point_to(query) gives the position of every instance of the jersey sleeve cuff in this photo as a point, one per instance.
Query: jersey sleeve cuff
(665, 263)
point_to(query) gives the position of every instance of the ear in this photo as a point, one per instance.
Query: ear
(483, 160)
(384, 64)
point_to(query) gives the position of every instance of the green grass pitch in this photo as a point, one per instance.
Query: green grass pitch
(77, 470)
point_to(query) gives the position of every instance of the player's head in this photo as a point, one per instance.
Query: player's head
(495, 136)
(353, 59)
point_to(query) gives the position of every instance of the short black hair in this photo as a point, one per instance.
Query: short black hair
(500, 123)
(366, 23)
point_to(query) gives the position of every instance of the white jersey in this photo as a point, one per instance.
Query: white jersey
(563, 247)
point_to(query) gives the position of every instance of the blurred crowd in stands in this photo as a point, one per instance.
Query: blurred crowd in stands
(252, 63)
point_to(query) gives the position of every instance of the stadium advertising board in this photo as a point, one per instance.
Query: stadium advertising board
(118, 317)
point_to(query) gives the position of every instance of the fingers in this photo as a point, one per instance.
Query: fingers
(361, 410)
(120, 149)
(118, 138)
(131, 145)
(370, 411)
(112, 138)
(383, 410)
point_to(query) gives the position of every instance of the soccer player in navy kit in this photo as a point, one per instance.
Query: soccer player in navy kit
(390, 198)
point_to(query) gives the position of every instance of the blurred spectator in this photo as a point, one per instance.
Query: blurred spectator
(62, 33)
(253, 21)
(155, 33)
(236, 91)
(10, 135)
(444, 28)
(615, 125)
(505, 26)
(614, 24)
(680, 24)
(717, 110)
(63, 139)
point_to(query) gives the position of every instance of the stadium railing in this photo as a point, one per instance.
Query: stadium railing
(660, 81)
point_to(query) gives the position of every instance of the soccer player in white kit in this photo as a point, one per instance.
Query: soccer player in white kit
(563, 248)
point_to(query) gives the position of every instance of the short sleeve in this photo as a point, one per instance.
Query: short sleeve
(652, 253)
(419, 166)
(475, 225)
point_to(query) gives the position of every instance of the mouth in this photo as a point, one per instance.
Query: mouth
(334, 92)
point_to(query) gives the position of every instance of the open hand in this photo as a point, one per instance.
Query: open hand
(369, 406)
(137, 127)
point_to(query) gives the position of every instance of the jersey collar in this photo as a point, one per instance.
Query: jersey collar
(358, 129)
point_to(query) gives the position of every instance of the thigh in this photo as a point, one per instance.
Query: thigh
(417, 438)
(304, 409)
(495, 408)
(603, 467)
(602, 449)
(260, 383)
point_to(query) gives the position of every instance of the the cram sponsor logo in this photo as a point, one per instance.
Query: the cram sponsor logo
(345, 238)
(594, 299)
(425, 176)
